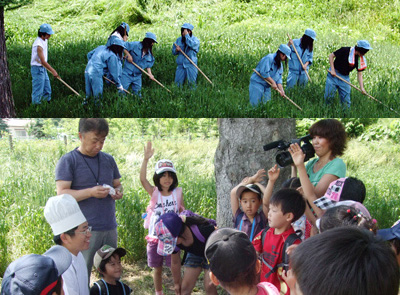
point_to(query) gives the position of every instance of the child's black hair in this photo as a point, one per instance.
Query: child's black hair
(248, 277)
(396, 245)
(293, 182)
(157, 177)
(345, 261)
(354, 190)
(148, 44)
(121, 30)
(40, 34)
(361, 50)
(291, 201)
(118, 50)
(71, 233)
(102, 265)
(306, 42)
(344, 215)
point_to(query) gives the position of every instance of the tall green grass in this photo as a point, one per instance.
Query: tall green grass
(234, 36)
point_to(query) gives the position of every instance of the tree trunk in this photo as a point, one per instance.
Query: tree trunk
(240, 153)
(7, 108)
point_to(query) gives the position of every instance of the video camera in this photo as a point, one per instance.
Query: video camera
(284, 158)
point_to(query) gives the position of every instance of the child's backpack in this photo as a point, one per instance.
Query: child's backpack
(195, 228)
(176, 193)
(285, 257)
(102, 285)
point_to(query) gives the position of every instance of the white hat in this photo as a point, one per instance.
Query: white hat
(63, 213)
(164, 165)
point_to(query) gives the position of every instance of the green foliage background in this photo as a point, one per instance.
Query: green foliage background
(234, 36)
(27, 176)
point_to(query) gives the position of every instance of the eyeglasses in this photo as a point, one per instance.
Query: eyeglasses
(85, 232)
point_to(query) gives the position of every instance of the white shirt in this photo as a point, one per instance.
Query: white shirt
(35, 60)
(165, 204)
(76, 277)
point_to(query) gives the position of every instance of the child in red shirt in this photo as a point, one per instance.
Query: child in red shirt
(285, 207)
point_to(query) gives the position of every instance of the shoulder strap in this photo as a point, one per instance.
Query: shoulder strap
(103, 290)
(197, 233)
(238, 219)
(263, 234)
(289, 241)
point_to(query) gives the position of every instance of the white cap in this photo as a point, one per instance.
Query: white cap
(164, 165)
(63, 213)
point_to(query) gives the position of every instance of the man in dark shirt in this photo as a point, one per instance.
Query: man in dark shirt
(342, 62)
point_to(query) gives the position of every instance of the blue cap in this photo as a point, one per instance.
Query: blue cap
(32, 274)
(125, 26)
(311, 33)
(390, 233)
(187, 26)
(151, 36)
(46, 28)
(364, 44)
(119, 42)
(285, 50)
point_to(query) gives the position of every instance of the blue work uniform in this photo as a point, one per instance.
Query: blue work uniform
(131, 75)
(259, 89)
(342, 69)
(185, 69)
(100, 60)
(296, 72)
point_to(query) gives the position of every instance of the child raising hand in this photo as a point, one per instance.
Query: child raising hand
(166, 197)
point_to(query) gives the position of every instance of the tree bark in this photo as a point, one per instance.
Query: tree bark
(7, 108)
(240, 153)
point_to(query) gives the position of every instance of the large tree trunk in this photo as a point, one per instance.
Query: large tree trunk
(7, 108)
(240, 153)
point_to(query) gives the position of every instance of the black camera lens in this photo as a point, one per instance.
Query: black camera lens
(283, 159)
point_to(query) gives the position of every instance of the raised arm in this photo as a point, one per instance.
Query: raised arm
(148, 153)
(273, 175)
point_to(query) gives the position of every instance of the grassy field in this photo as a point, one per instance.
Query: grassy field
(27, 181)
(234, 36)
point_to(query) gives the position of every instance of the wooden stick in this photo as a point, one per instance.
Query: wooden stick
(72, 89)
(185, 55)
(255, 71)
(370, 96)
(149, 77)
(115, 84)
(59, 78)
(301, 62)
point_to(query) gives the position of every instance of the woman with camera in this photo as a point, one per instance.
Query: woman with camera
(329, 142)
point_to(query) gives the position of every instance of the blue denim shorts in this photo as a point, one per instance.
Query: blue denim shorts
(196, 261)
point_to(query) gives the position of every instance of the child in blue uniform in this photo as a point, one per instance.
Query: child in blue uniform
(142, 53)
(190, 45)
(304, 46)
(100, 59)
(40, 80)
(271, 68)
(342, 62)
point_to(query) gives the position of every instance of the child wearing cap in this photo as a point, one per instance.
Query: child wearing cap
(285, 207)
(393, 236)
(166, 197)
(342, 62)
(142, 53)
(37, 274)
(100, 59)
(107, 261)
(190, 45)
(344, 261)
(41, 88)
(188, 233)
(305, 49)
(271, 68)
(234, 264)
(71, 231)
(249, 194)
